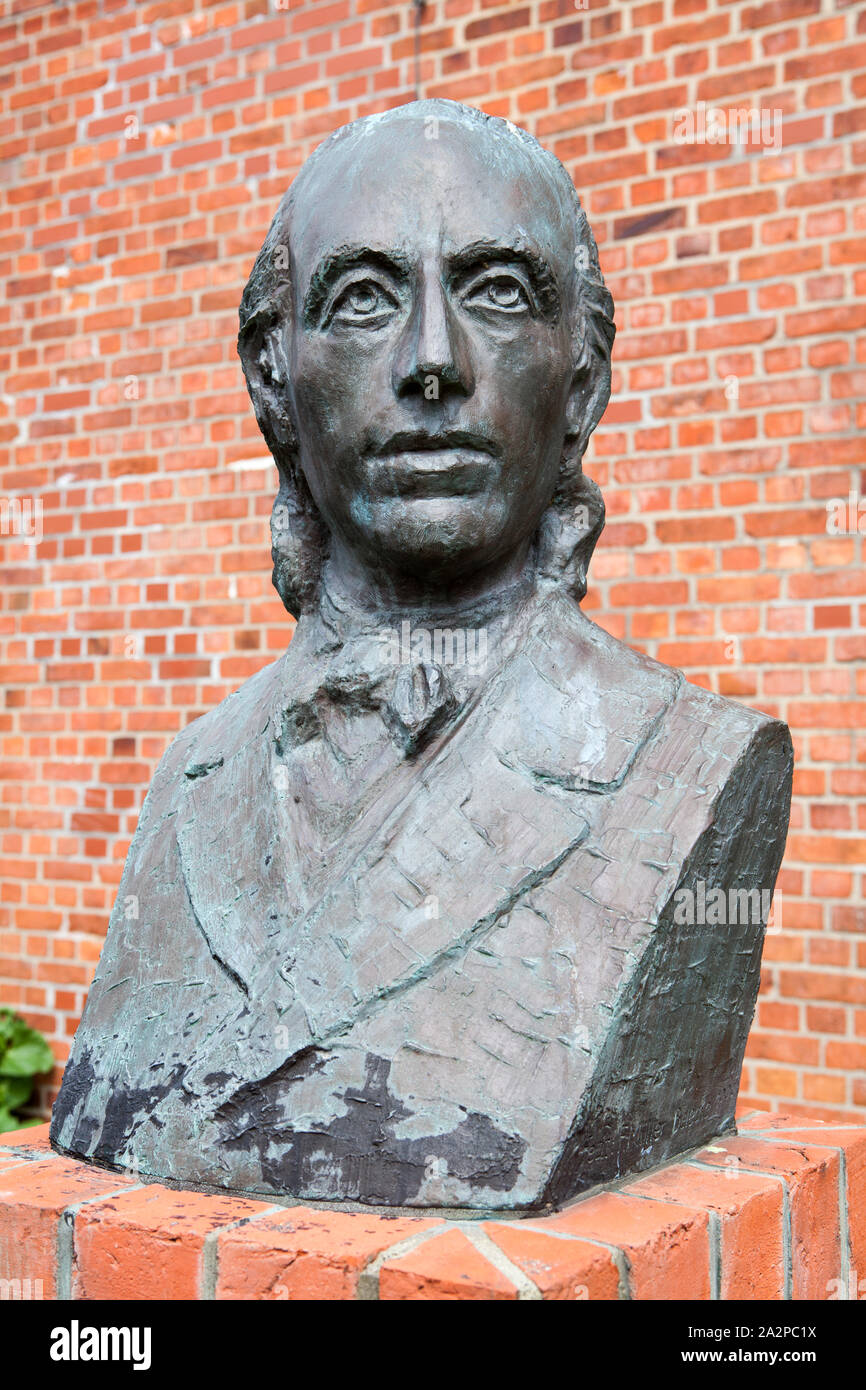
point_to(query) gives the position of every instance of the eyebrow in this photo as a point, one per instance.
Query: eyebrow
(396, 263)
(538, 269)
(344, 258)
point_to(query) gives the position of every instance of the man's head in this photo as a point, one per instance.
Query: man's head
(426, 339)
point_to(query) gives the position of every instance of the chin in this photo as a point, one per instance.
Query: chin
(438, 539)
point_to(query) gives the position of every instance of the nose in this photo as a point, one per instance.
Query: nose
(432, 357)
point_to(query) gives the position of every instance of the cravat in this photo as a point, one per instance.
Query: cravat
(415, 699)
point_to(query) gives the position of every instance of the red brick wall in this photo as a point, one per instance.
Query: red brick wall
(143, 148)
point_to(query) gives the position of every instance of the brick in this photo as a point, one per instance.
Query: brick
(811, 1173)
(33, 1198)
(750, 1212)
(561, 1269)
(305, 1254)
(444, 1268)
(149, 1244)
(851, 1144)
(648, 1234)
(34, 1137)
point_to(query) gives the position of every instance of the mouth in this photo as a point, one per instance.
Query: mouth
(447, 464)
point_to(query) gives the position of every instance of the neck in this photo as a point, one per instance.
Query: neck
(488, 594)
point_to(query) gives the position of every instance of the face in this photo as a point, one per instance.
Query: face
(430, 346)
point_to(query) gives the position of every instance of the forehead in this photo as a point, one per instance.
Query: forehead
(395, 188)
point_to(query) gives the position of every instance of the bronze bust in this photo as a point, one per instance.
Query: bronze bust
(409, 923)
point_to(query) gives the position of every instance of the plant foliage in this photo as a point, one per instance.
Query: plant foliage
(24, 1054)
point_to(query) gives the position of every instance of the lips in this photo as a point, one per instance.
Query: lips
(450, 463)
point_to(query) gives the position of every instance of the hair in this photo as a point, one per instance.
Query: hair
(574, 519)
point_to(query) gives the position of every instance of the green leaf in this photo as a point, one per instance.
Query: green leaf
(24, 1053)
(28, 1057)
(21, 1031)
(15, 1091)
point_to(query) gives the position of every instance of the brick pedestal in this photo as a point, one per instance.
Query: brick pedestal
(777, 1212)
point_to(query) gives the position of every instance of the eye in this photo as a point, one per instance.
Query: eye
(361, 303)
(503, 293)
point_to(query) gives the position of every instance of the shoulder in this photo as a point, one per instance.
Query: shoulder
(217, 736)
(600, 704)
(615, 665)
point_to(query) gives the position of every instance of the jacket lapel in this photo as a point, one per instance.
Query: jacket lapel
(231, 853)
(491, 814)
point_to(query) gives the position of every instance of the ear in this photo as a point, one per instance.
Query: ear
(299, 541)
(588, 398)
(574, 521)
(264, 354)
(568, 533)
(271, 359)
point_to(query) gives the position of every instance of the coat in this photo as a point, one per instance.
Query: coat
(497, 997)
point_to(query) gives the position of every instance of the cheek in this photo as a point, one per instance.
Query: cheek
(529, 380)
(329, 380)
(529, 411)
